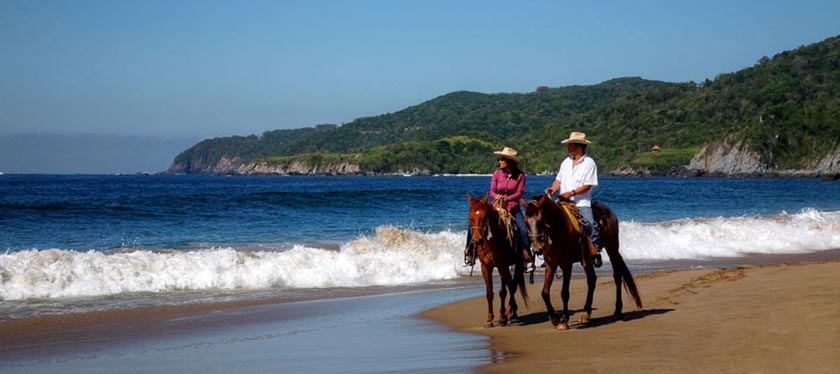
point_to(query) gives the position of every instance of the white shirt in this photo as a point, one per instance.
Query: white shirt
(571, 177)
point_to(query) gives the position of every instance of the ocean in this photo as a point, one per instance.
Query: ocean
(81, 243)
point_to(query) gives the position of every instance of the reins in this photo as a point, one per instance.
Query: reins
(504, 219)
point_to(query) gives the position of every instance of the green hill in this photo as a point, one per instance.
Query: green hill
(784, 110)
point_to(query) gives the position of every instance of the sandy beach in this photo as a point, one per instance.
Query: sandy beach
(778, 314)
(771, 318)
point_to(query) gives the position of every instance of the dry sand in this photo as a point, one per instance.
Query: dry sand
(748, 319)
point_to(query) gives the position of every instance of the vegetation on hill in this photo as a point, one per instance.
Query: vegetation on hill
(785, 108)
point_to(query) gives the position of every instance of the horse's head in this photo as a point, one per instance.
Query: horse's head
(536, 223)
(479, 210)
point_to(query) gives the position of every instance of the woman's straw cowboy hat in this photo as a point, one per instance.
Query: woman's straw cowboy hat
(508, 153)
(577, 137)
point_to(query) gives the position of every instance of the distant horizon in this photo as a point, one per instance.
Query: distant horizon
(168, 146)
(93, 154)
(176, 137)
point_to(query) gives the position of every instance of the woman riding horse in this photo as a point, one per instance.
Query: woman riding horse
(495, 250)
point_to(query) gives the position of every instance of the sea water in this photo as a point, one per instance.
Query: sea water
(79, 239)
(87, 243)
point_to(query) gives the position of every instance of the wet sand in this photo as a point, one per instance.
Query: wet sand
(767, 318)
(361, 334)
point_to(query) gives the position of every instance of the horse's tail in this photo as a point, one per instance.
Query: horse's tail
(629, 282)
(608, 222)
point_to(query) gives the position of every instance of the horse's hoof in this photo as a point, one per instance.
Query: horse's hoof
(617, 317)
(503, 322)
(514, 318)
(488, 325)
(556, 320)
(563, 326)
(584, 318)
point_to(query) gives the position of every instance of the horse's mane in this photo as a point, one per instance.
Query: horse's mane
(555, 209)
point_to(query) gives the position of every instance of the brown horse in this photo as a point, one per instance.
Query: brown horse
(496, 250)
(553, 232)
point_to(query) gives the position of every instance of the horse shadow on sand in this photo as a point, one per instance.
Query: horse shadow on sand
(542, 317)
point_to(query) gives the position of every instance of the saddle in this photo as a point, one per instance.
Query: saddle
(580, 225)
(573, 213)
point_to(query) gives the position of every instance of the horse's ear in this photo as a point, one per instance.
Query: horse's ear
(523, 202)
(469, 198)
(485, 197)
(545, 199)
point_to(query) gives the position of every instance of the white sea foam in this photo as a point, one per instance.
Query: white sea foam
(807, 231)
(392, 256)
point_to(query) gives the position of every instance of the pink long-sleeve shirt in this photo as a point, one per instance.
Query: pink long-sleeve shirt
(510, 187)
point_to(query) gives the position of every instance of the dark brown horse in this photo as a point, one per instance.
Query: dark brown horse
(496, 250)
(553, 232)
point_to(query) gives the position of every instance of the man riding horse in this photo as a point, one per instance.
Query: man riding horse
(577, 177)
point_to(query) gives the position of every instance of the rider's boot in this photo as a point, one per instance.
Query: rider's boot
(529, 258)
(469, 255)
(594, 254)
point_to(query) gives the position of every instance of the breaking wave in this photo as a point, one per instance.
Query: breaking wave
(391, 256)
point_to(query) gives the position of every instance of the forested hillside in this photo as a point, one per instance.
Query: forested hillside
(783, 114)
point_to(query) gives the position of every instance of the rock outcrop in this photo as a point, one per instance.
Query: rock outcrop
(299, 168)
(830, 164)
(733, 159)
(727, 159)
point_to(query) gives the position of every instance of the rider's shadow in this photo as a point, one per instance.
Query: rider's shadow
(542, 317)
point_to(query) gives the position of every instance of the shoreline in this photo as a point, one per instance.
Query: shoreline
(755, 296)
(768, 316)
(358, 334)
(51, 334)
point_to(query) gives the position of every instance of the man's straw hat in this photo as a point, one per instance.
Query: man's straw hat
(577, 137)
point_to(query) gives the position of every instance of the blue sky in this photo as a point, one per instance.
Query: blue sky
(201, 69)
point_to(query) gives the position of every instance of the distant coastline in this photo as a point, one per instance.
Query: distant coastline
(775, 118)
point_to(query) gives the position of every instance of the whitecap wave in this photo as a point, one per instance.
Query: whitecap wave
(392, 256)
(702, 238)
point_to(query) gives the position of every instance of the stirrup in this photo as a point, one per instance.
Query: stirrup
(529, 267)
(596, 260)
(470, 255)
(469, 260)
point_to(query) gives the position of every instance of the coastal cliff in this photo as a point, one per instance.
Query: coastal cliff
(299, 168)
(734, 159)
(717, 159)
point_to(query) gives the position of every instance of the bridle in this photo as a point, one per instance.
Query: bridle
(542, 237)
(484, 229)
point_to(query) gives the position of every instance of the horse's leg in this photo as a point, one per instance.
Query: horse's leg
(512, 307)
(564, 294)
(591, 280)
(504, 278)
(546, 294)
(487, 272)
